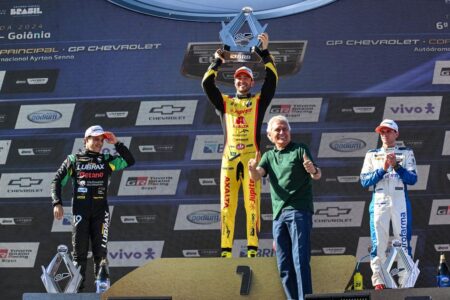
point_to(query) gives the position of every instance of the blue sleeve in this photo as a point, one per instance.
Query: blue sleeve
(371, 178)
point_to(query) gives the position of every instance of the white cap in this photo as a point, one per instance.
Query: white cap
(387, 123)
(95, 130)
(244, 70)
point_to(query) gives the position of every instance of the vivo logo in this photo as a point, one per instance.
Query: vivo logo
(204, 217)
(347, 145)
(44, 116)
(403, 109)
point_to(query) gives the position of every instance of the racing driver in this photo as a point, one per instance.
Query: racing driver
(241, 116)
(388, 170)
(89, 171)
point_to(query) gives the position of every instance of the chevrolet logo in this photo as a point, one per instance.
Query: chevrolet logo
(333, 211)
(167, 109)
(25, 182)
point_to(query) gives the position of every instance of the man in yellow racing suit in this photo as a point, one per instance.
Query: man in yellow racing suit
(242, 117)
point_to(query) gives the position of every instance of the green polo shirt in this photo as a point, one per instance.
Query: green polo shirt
(290, 184)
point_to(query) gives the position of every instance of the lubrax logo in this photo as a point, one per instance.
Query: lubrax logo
(333, 211)
(25, 182)
(167, 109)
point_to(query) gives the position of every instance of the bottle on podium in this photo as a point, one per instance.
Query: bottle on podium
(102, 282)
(443, 275)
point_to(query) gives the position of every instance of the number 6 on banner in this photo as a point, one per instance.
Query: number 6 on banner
(246, 279)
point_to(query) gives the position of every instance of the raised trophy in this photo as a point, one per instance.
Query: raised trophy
(404, 264)
(240, 45)
(53, 277)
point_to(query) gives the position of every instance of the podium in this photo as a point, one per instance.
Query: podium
(224, 278)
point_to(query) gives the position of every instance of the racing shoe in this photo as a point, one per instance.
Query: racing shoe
(226, 254)
(380, 287)
(251, 253)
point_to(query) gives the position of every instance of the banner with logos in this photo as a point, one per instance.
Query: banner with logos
(137, 70)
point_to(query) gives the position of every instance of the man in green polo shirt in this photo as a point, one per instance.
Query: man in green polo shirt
(291, 171)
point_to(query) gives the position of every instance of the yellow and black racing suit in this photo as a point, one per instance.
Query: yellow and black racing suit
(242, 117)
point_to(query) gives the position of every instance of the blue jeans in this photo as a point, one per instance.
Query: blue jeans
(291, 233)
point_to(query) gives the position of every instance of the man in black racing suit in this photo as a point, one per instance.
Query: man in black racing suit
(90, 171)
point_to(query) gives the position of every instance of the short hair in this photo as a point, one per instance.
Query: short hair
(279, 118)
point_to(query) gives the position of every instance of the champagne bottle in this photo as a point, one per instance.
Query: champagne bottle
(443, 275)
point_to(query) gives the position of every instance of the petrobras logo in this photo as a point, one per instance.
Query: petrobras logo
(208, 147)
(45, 116)
(204, 217)
(149, 182)
(34, 151)
(16, 221)
(78, 145)
(147, 219)
(25, 185)
(4, 150)
(265, 248)
(18, 255)
(156, 148)
(37, 81)
(201, 253)
(198, 217)
(347, 179)
(116, 114)
(191, 253)
(25, 11)
(338, 214)
(174, 112)
(363, 109)
(147, 148)
(217, 11)
(440, 212)
(208, 181)
(441, 74)
(442, 247)
(133, 253)
(333, 250)
(295, 109)
(413, 108)
(347, 144)
(365, 245)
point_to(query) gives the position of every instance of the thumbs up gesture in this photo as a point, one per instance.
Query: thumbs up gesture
(253, 162)
(308, 164)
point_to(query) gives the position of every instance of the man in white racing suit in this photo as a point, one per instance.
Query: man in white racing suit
(388, 170)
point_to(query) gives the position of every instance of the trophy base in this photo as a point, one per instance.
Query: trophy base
(241, 57)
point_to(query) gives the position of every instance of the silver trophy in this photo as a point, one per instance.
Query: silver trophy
(53, 277)
(406, 268)
(241, 45)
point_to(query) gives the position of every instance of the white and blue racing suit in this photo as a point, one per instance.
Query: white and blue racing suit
(390, 202)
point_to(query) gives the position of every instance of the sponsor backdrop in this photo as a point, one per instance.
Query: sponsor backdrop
(66, 66)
